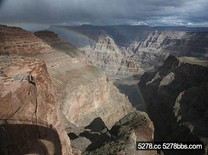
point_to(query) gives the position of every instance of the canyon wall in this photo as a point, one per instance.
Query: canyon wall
(151, 52)
(30, 116)
(52, 39)
(176, 100)
(121, 139)
(158, 45)
(33, 121)
(15, 40)
(123, 51)
(110, 58)
(84, 91)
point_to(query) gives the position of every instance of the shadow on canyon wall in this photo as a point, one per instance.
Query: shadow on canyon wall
(18, 139)
(133, 93)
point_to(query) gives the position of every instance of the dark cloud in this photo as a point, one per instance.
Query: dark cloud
(1, 2)
(105, 12)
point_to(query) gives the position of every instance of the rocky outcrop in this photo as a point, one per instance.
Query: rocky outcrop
(52, 39)
(158, 45)
(176, 100)
(30, 116)
(114, 61)
(121, 139)
(85, 93)
(151, 52)
(15, 40)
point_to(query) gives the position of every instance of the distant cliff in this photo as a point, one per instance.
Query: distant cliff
(52, 39)
(158, 45)
(176, 100)
(15, 40)
(113, 60)
(138, 48)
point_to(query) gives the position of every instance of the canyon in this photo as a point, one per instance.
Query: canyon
(173, 87)
(82, 90)
(124, 51)
(49, 93)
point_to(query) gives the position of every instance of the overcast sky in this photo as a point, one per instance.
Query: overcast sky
(105, 12)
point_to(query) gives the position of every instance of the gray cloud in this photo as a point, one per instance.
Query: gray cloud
(105, 12)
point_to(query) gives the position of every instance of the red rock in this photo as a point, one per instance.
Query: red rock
(18, 41)
(29, 109)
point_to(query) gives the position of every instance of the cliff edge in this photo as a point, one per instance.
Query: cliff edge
(29, 110)
(176, 100)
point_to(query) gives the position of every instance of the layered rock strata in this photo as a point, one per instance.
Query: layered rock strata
(15, 40)
(30, 116)
(158, 45)
(114, 61)
(52, 39)
(85, 93)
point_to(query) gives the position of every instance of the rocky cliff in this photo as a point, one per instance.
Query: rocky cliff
(92, 105)
(85, 93)
(52, 39)
(158, 45)
(15, 40)
(176, 100)
(125, 133)
(30, 117)
(31, 110)
(97, 139)
(113, 60)
(88, 97)
(123, 51)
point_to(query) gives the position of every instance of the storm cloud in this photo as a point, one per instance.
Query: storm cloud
(105, 12)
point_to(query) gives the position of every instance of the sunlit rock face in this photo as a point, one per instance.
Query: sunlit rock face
(110, 58)
(122, 51)
(15, 40)
(91, 104)
(84, 91)
(30, 117)
(176, 100)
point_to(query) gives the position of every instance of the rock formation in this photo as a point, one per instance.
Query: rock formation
(114, 61)
(89, 97)
(48, 37)
(85, 93)
(30, 116)
(54, 41)
(15, 40)
(96, 139)
(158, 45)
(138, 48)
(30, 109)
(176, 100)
